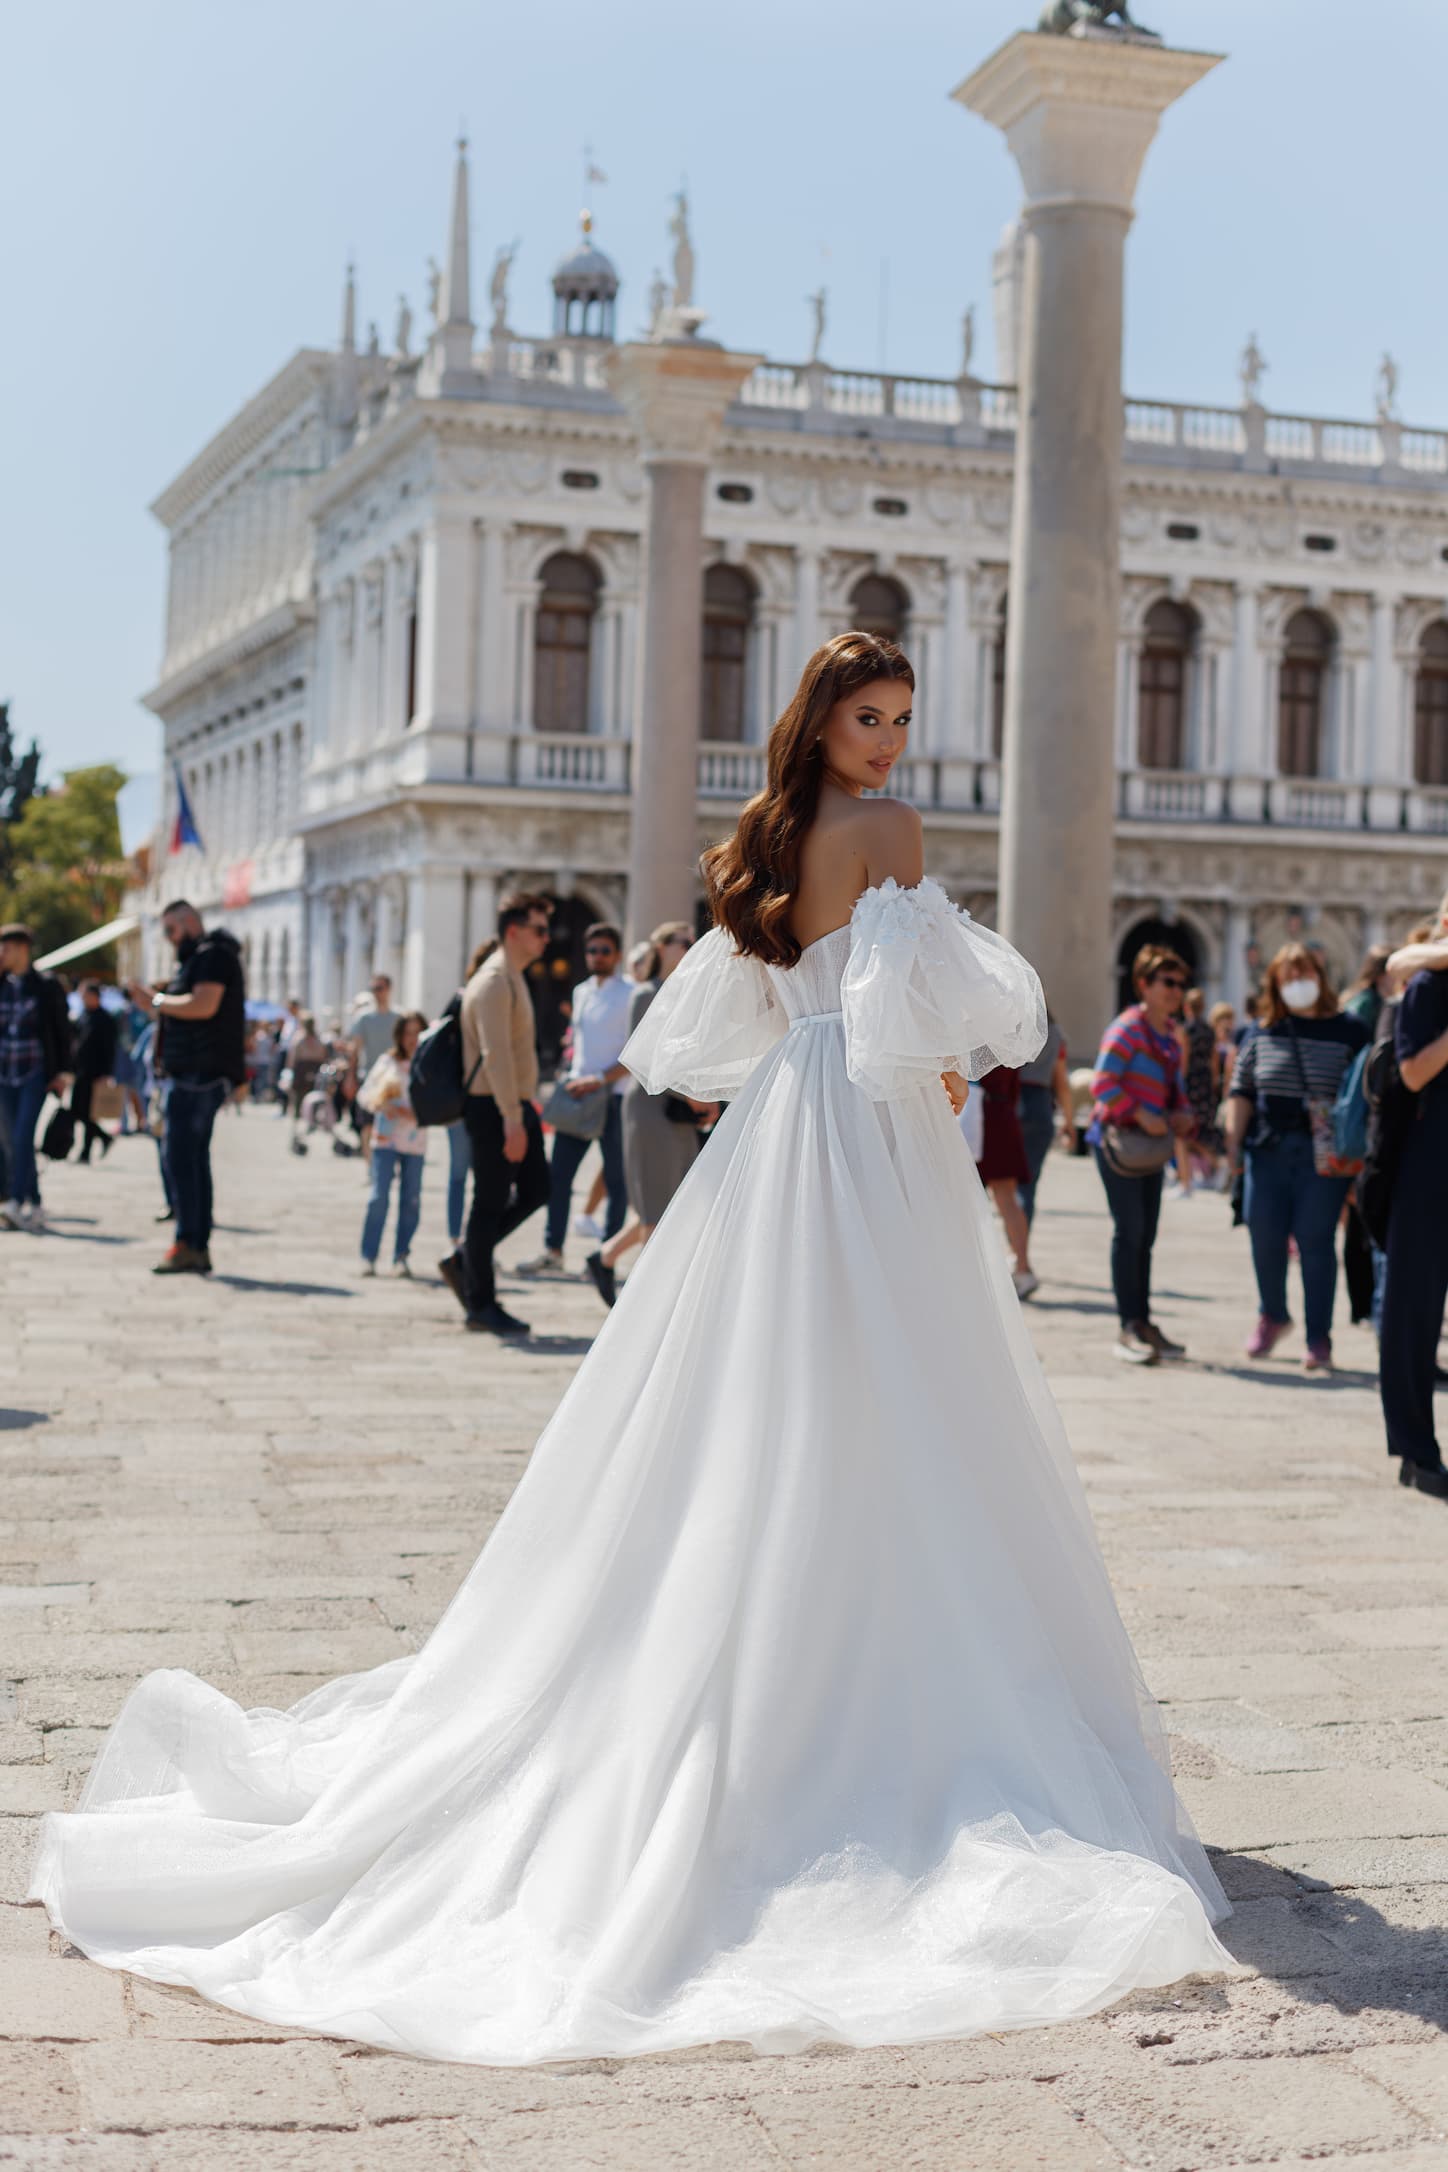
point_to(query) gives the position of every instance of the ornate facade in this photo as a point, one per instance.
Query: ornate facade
(403, 644)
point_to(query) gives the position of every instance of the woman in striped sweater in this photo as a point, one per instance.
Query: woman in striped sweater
(1138, 1087)
(1300, 1051)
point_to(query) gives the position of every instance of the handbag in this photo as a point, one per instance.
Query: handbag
(1322, 1122)
(578, 1116)
(1131, 1152)
(59, 1135)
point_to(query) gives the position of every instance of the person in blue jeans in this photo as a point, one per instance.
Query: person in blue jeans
(600, 1028)
(399, 1146)
(201, 1013)
(1298, 1055)
(34, 1054)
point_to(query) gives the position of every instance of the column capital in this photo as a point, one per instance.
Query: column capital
(1079, 113)
(677, 392)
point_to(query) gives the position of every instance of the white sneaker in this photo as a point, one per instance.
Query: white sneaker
(35, 1221)
(547, 1263)
(588, 1225)
(1026, 1283)
(12, 1214)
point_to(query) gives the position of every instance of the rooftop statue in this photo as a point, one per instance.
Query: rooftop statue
(1252, 369)
(1064, 16)
(683, 253)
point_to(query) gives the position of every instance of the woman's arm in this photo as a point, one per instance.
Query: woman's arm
(1239, 1115)
(1417, 958)
(1061, 1088)
(1420, 1070)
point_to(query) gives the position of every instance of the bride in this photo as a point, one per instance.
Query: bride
(788, 1700)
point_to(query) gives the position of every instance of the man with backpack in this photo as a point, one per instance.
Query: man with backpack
(493, 1029)
(1408, 1180)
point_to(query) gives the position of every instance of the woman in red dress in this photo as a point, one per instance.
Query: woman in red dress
(1004, 1168)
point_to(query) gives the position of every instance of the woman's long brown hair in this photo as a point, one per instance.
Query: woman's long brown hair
(751, 879)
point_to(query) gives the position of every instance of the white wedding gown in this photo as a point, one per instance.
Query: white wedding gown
(788, 1700)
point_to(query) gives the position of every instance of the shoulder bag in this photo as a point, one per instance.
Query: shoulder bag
(1131, 1152)
(1322, 1121)
(578, 1116)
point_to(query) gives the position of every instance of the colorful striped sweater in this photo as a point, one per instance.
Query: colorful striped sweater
(1135, 1069)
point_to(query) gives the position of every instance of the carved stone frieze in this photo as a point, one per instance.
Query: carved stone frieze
(788, 492)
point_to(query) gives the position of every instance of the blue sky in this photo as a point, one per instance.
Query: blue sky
(185, 179)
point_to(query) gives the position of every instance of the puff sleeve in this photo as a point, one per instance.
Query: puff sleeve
(709, 1025)
(927, 990)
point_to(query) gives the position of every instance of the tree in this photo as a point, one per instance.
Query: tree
(67, 874)
(19, 775)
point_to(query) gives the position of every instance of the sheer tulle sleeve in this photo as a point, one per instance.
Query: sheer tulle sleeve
(713, 1019)
(927, 990)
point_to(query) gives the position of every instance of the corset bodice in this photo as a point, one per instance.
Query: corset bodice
(813, 985)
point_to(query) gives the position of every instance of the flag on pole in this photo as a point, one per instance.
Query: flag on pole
(183, 830)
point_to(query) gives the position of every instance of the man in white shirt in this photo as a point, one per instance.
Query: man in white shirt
(600, 1028)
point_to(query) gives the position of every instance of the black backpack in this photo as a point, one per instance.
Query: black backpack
(1391, 1111)
(436, 1087)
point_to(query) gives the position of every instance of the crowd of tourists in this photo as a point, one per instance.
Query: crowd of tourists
(1324, 1117)
(1327, 1115)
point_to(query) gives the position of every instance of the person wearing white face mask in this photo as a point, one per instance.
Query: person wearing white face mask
(1291, 1065)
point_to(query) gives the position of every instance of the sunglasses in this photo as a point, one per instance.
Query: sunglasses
(599, 950)
(1163, 981)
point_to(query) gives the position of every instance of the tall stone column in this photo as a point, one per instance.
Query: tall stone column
(1078, 113)
(677, 391)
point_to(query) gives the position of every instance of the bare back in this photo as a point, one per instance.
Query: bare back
(852, 845)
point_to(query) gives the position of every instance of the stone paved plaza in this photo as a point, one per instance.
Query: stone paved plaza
(281, 1475)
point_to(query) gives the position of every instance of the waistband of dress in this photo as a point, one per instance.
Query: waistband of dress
(817, 1018)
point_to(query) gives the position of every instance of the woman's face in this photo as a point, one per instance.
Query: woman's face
(864, 735)
(1293, 977)
(411, 1033)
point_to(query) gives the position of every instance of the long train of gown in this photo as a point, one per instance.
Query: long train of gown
(788, 1700)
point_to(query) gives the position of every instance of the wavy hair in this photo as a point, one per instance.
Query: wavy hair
(752, 878)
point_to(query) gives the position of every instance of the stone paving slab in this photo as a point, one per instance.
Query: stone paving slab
(284, 1473)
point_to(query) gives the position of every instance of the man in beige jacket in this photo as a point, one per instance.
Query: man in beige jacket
(500, 1065)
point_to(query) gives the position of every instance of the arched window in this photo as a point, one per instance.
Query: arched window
(561, 644)
(998, 686)
(1430, 708)
(1161, 681)
(1301, 694)
(879, 606)
(728, 613)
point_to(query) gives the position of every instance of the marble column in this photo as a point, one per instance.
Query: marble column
(677, 391)
(1387, 761)
(446, 609)
(1078, 115)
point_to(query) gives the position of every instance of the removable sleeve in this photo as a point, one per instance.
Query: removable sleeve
(711, 1022)
(926, 990)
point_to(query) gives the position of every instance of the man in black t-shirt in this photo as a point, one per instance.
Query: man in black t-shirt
(1415, 1287)
(202, 1018)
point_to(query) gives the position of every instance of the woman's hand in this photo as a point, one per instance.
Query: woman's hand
(1155, 1127)
(957, 1088)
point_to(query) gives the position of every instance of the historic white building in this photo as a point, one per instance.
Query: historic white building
(404, 638)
